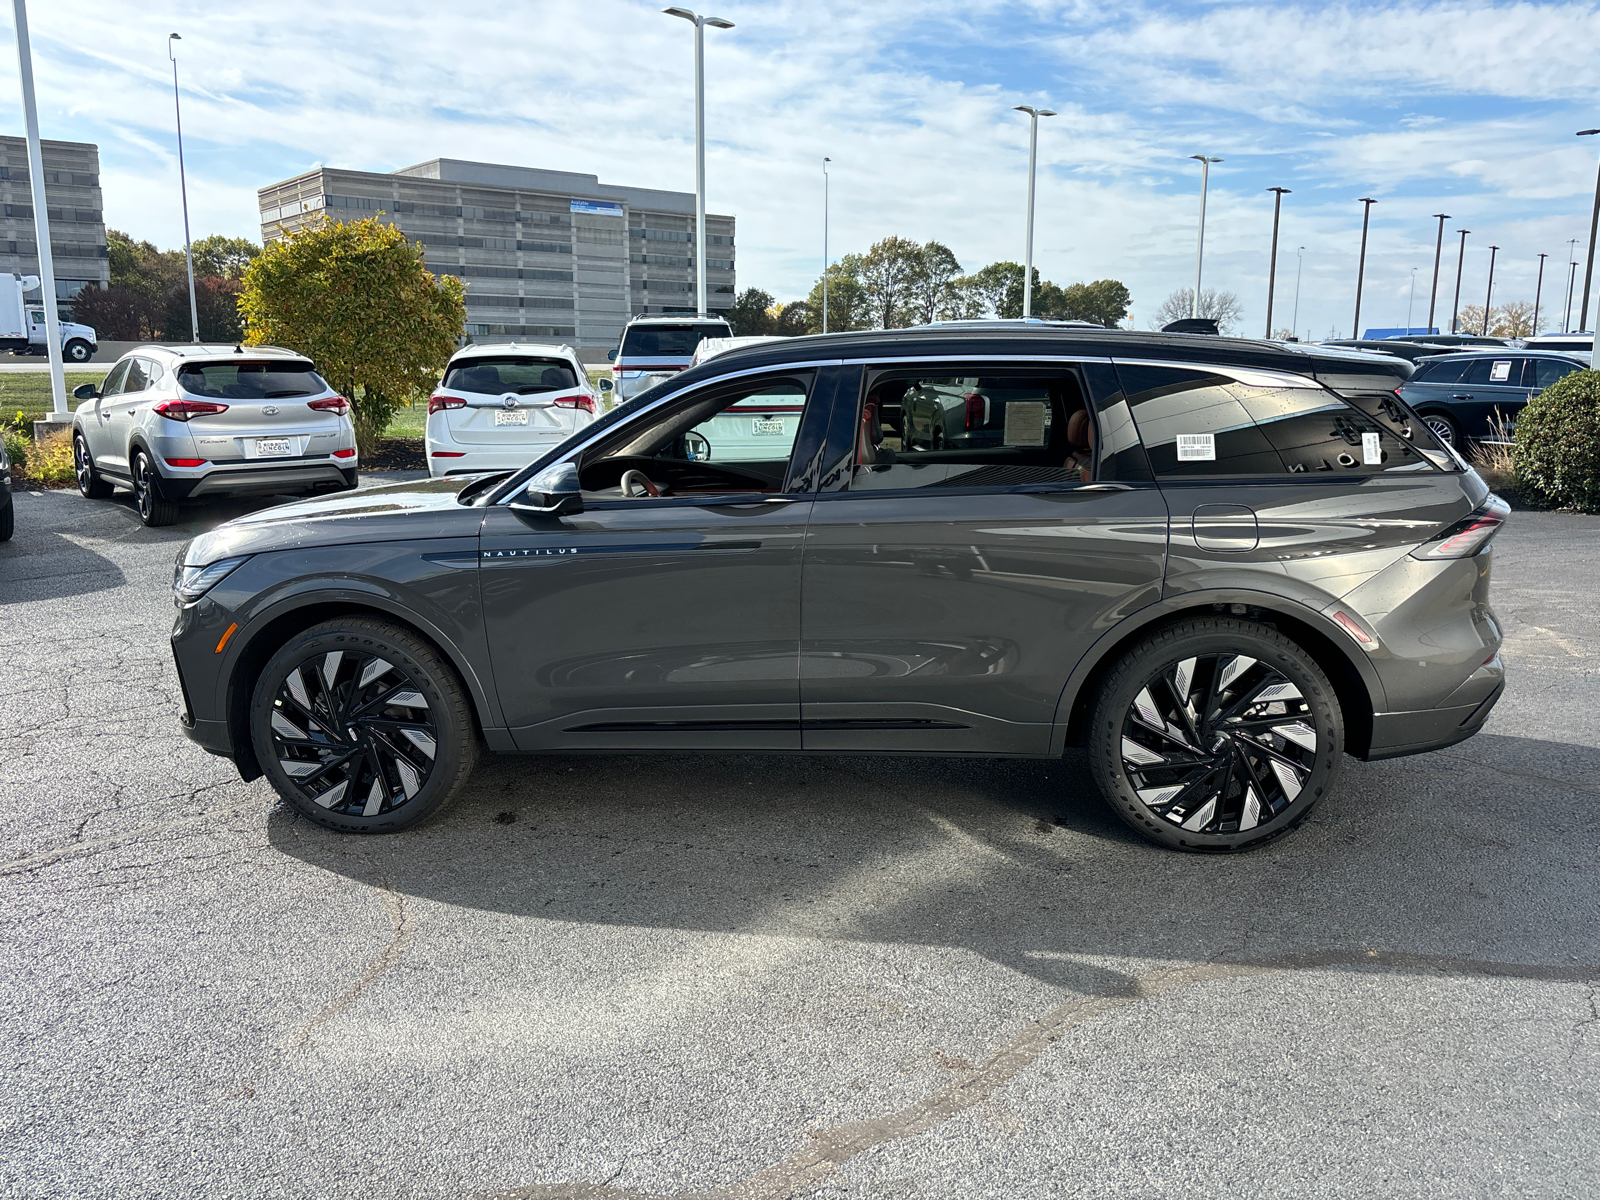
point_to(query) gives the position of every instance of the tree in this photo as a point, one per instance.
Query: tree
(791, 319)
(1105, 302)
(964, 300)
(1512, 319)
(929, 286)
(216, 301)
(887, 275)
(1000, 287)
(1470, 320)
(118, 313)
(749, 313)
(847, 299)
(356, 299)
(1224, 307)
(224, 257)
(140, 266)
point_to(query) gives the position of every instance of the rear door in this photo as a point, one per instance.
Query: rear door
(1496, 394)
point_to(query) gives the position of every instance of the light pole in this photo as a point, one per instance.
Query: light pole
(1200, 244)
(825, 163)
(1461, 262)
(1438, 250)
(699, 24)
(1033, 157)
(1361, 266)
(183, 188)
(1537, 289)
(41, 216)
(1300, 265)
(1411, 299)
(1594, 227)
(1489, 295)
(1272, 267)
(1572, 279)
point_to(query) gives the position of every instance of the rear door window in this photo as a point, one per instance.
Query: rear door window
(514, 373)
(1492, 372)
(1442, 370)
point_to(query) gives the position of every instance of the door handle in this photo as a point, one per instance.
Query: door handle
(1468, 396)
(1103, 487)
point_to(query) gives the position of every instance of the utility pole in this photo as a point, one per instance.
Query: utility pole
(1537, 289)
(1272, 267)
(825, 163)
(1572, 279)
(1200, 244)
(183, 190)
(1489, 295)
(1438, 249)
(1033, 159)
(41, 217)
(699, 24)
(1361, 268)
(1461, 262)
(1594, 227)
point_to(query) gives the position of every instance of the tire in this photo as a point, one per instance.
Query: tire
(90, 485)
(378, 770)
(77, 350)
(1235, 781)
(1444, 429)
(154, 508)
(8, 521)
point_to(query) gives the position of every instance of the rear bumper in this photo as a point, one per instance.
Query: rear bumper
(1395, 735)
(263, 480)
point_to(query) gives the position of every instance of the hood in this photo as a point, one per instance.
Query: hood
(426, 508)
(73, 327)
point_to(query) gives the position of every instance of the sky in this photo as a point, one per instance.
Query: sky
(1463, 108)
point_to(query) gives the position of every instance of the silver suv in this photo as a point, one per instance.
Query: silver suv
(172, 423)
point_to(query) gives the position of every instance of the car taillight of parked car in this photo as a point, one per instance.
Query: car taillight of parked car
(185, 410)
(438, 403)
(586, 403)
(1468, 535)
(333, 404)
(977, 410)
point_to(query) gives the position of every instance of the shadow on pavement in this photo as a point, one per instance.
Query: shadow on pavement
(1468, 860)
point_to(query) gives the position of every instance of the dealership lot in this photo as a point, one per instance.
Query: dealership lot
(759, 977)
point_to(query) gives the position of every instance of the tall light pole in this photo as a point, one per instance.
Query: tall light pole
(1461, 262)
(1361, 266)
(1438, 250)
(1300, 265)
(1489, 295)
(699, 24)
(1033, 158)
(1594, 227)
(1537, 289)
(41, 216)
(825, 163)
(1200, 243)
(1572, 279)
(1410, 300)
(183, 188)
(1272, 267)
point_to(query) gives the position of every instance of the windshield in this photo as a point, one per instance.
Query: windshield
(513, 373)
(250, 380)
(670, 341)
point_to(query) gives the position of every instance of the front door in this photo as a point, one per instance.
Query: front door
(668, 621)
(119, 412)
(952, 584)
(97, 420)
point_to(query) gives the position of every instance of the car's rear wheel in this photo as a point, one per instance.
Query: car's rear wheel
(90, 485)
(8, 521)
(1215, 733)
(154, 508)
(1443, 428)
(362, 727)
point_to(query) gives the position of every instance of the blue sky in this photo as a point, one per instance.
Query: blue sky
(1464, 108)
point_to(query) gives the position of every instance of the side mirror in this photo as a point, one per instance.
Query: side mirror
(606, 385)
(86, 391)
(611, 356)
(553, 492)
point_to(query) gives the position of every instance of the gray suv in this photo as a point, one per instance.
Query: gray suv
(1263, 562)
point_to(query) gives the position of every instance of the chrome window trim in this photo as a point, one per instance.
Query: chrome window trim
(1251, 376)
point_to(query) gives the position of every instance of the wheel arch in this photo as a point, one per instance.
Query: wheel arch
(1355, 683)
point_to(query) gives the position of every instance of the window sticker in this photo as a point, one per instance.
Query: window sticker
(1197, 447)
(1501, 371)
(1025, 423)
(1371, 450)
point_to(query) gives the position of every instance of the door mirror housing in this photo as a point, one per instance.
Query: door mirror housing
(86, 391)
(611, 356)
(553, 492)
(606, 386)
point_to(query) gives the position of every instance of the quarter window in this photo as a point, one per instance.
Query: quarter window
(1193, 425)
(1547, 370)
(1315, 431)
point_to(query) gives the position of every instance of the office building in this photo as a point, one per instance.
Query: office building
(545, 255)
(77, 224)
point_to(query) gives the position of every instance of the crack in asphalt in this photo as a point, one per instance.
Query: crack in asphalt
(831, 1148)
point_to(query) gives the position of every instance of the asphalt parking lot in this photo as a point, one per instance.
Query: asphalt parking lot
(750, 978)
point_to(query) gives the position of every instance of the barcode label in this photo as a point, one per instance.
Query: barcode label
(1197, 447)
(1371, 450)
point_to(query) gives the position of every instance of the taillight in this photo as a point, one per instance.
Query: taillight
(438, 403)
(1468, 535)
(333, 404)
(184, 410)
(586, 403)
(977, 410)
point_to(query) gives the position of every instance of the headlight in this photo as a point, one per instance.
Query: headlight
(190, 583)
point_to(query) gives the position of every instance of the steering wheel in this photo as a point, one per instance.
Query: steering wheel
(632, 479)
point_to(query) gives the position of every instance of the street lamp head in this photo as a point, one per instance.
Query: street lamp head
(681, 12)
(719, 23)
(1033, 112)
(1204, 159)
(1280, 191)
(1366, 200)
(1587, 132)
(172, 37)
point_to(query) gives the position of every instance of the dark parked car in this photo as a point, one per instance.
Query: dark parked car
(1410, 351)
(1473, 395)
(1264, 562)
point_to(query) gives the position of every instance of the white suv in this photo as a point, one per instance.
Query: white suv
(173, 423)
(656, 348)
(500, 407)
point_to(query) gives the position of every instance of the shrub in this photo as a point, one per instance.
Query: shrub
(1557, 455)
(50, 461)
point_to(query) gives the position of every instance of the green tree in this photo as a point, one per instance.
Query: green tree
(356, 299)
(141, 267)
(748, 313)
(847, 300)
(928, 290)
(224, 257)
(887, 275)
(791, 320)
(1105, 302)
(999, 285)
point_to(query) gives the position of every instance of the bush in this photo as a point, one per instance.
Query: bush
(49, 461)
(1558, 444)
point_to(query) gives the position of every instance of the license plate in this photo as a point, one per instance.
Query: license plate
(273, 447)
(767, 426)
(510, 417)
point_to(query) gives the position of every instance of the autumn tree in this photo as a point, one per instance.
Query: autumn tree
(357, 300)
(1223, 307)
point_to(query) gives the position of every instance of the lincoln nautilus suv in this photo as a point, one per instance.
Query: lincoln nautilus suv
(1215, 566)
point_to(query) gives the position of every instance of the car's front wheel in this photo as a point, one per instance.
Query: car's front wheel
(1215, 733)
(154, 508)
(78, 351)
(362, 727)
(90, 485)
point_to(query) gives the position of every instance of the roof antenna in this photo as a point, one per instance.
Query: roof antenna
(238, 349)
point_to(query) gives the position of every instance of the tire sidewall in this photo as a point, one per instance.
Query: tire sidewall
(454, 737)
(1197, 638)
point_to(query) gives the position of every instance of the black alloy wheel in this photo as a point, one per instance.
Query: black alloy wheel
(154, 508)
(362, 727)
(1216, 734)
(90, 485)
